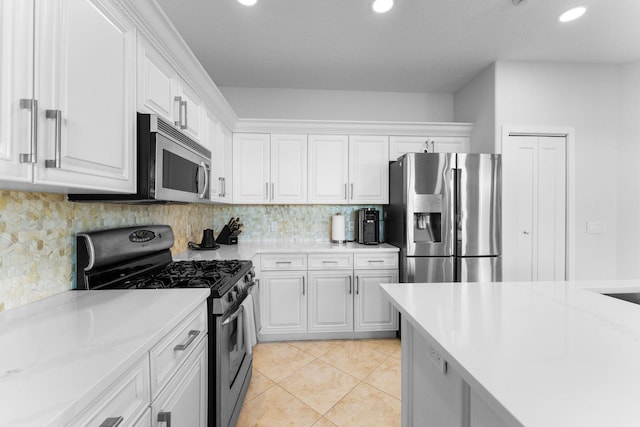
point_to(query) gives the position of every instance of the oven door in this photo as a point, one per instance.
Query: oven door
(181, 174)
(234, 363)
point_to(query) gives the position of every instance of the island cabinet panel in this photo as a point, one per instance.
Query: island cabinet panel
(432, 394)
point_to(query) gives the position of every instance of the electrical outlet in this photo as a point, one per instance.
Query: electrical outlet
(1, 306)
(274, 226)
(596, 227)
(188, 230)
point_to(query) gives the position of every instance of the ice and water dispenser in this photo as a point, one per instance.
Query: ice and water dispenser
(427, 218)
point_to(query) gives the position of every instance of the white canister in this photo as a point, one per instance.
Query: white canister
(337, 229)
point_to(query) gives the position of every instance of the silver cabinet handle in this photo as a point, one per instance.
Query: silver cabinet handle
(352, 191)
(284, 262)
(224, 187)
(357, 285)
(267, 187)
(304, 290)
(329, 262)
(426, 145)
(433, 146)
(164, 417)
(350, 285)
(178, 99)
(273, 190)
(57, 161)
(345, 192)
(32, 155)
(112, 422)
(375, 261)
(186, 115)
(220, 187)
(206, 180)
(192, 336)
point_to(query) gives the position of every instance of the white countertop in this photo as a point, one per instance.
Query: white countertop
(249, 249)
(57, 354)
(540, 354)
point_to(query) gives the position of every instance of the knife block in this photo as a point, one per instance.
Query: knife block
(226, 238)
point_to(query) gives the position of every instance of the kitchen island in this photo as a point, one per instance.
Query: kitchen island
(532, 354)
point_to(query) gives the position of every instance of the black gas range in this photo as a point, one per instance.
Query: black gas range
(140, 258)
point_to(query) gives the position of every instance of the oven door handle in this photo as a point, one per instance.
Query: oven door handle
(233, 316)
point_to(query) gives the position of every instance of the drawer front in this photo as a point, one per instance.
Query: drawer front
(172, 350)
(127, 397)
(382, 260)
(283, 262)
(330, 261)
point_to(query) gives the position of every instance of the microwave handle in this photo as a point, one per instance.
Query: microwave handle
(206, 180)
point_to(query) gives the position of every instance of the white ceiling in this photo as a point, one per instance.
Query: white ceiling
(419, 46)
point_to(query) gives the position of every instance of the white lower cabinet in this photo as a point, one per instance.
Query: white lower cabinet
(372, 309)
(283, 296)
(184, 401)
(330, 301)
(320, 295)
(167, 385)
(124, 400)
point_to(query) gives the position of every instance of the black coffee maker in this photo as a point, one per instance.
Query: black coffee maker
(368, 226)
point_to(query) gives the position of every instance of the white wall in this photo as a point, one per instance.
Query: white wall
(302, 104)
(583, 97)
(475, 103)
(628, 172)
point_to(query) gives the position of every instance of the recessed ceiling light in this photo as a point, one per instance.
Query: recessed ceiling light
(572, 14)
(382, 6)
(247, 2)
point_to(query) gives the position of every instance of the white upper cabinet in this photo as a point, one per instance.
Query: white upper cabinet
(269, 168)
(288, 168)
(189, 112)
(163, 92)
(251, 168)
(157, 82)
(73, 125)
(328, 169)
(348, 169)
(220, 140)
(399, 145)
(368, 169)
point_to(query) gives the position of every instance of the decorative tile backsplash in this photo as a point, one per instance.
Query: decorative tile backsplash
(37, 233)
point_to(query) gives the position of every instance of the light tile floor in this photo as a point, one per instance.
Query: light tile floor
(344, 383)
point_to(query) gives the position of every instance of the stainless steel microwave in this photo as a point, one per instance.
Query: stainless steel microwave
(171, 167)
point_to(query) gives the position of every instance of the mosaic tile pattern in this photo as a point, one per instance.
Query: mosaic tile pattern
(291, 222)
(37, 233)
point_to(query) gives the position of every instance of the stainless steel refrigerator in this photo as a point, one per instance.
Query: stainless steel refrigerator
(444, 214)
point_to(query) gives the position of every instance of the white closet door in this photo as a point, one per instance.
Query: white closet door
(534, 200)
(551, 208)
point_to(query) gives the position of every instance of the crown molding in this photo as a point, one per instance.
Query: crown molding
(353, 127)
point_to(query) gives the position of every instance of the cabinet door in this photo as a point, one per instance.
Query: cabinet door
(373, 311)
(450, 144)
(330, 301)
(251, 166)
(16, 83)
(289, 168)
(368, 169)
(221, 158)
(328, 169)
(85, 77)
(283, 296)
(184, 400)
(193, 112)
(157, 82)
(399, 145)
